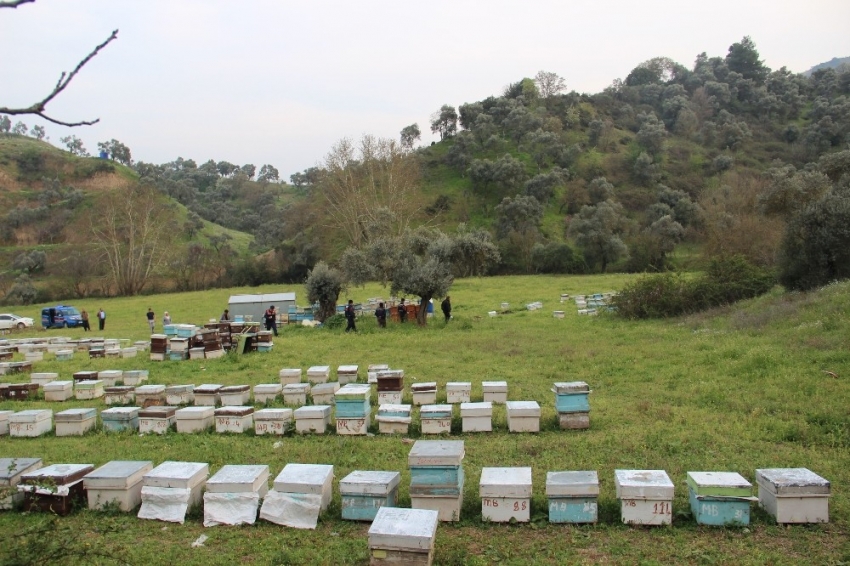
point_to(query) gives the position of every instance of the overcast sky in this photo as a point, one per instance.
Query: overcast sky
(279, 82)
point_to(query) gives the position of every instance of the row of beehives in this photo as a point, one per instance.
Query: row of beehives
(589, 304)
(63, 349)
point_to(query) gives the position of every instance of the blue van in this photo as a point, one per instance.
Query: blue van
(61, 316)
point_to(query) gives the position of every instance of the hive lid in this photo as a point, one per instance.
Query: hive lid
(119, 389)
(390, 374)
(150, 389)
(208, 389)
(117, 474)
(378, 367)
(58, 385)
(459, 386)
(296, 388)
(234, 389)
(356, 391)
(319, 370)
(505, 482)
(75, 415)
(12, 468)
(396, 528)
(234, 411)
(290, 372)
(426, 387)
(479, 409)
(729, 484)
(4, 415)
(31, 416)
(120, 413)
(391, 408)
(494, 386)
(238, 479)
(273, 414)
(191, 413)
(268, 388)
(643, 484)
(57, 474)
(159, 336)
(571, 387)
(369, 483)
(436, 453)
(577, 483)
(177, 474)
(110, 373)
(433, 410)
(347, 369)
(84, 375)
(157, 412)
(313, 412)
(304, 478)
(792, 481)
(89, 384)
(523, 408)
(324, 388)
(172, 389)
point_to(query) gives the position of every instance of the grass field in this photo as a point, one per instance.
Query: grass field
(735, 389)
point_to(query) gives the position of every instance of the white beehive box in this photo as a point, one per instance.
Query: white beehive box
(347, 374)
(4, 422)
(150, 395)
(207, 394)
(402, 536)
(180, 394)
(75, 422)
(435, 419)
(194, 419)
(477, 417)
(505, 494)
(58, 390)
(272, 421)
(424, 393)
(495, 391)
(34, 356)
(267, 392)
(110, 377)
(572, 496)
(793, 495)
(558, 314)
(372, 372)
(313, 479)
(118, 419)
(179, 344)
(158, 419)
(646, 496)
(235, 395)
(389, 397)
(43, 378)
(364, 492)
(64, 355)
(295, 394)
(318, 374)
(170, 488)
(312, 419)
(11, 470)
(196, 353)
(234, 418)
(290, 375)
(129, 352)
(357, 426)
(233, 495)
(458, 392)
(31, 423)
(88, 390)
(135, 377)
(119, 395)
(523, 416)
(323, 393)
(393, 419)
(118, 482)
(301, 492)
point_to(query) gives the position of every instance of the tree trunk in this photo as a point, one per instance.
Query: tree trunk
(422, 315)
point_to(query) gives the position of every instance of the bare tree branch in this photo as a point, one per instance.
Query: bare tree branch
(39, 108)
(14, 3)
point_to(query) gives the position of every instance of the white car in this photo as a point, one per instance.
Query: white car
(9, 321)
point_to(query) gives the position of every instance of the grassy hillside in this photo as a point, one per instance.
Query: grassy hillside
(760, 384)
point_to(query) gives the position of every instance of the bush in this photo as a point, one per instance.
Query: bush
(557, 257)
(335, 321)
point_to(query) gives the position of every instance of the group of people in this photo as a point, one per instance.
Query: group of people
(381, 312)
(166, 319)
(101, 319)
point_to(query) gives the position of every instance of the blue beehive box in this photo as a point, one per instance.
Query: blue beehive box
(720, 498)
(169, 330)
(572, 496)
(352, 401)
(571, 397)
(118, 419)
(364, 492)
(436, 477)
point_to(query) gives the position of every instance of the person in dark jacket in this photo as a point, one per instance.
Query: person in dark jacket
(402, 312)
(349, 316)
(150, 315)
(270, 318)
(381, 315)
(446, 305)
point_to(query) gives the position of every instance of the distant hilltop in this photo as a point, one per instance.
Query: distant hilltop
(833, 63)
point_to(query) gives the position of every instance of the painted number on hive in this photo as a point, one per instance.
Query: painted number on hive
(661, 508)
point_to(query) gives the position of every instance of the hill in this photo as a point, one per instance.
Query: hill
(834, 63)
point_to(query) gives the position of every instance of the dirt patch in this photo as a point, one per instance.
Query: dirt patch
(101, 182)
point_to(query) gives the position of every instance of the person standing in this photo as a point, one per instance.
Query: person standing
(225, 316)
(446, 305)
(270, 317)
(84, 316)
(402, 312)
(101, 319)
(150, 316)
(166, 319)
(381, 315)
(349, 316)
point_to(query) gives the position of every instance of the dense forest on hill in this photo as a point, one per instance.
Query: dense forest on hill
(719, 158)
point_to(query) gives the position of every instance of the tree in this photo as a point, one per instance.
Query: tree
(521, 214)
(38, 132)
(268, 174)
(444, 122)
(651, 134)
(116, 150)
(249, 169)
(600, 190)
(667, 233)
(23, 292)
(544, 146)
(542, 186)
(598, 229)
(5, 125)
(423, 267)
(410, 135)
(743, 58)
(75, 146)
(474, 252)
(20, 128)
(30, 262)
(324, 285)
(549, 84)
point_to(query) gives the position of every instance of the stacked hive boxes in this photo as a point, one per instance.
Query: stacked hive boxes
(436, 477)
(435, 419)
(572, 404)
(353, 409)
(179, 349)
(393, 419)
(170, 488)
(390, 386)
(364, 492)
(233, 495)
(118, 482)
(160, 347)
(719, 498)
(264, 341)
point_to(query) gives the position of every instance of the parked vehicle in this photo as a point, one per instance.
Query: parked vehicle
(61, 316)
(9, 321)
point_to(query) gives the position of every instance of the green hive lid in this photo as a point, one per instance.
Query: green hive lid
(723, 484)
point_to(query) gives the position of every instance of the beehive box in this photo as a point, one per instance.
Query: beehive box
(234, 418)
(34, 356)
(272, 421)
(573, 496)
(290, 375)
(4, 422)
(75, 422)
(323, 393)
(118, 419)
(58, 390)
(347, 374)
(295, 394)
(393, 419)
(435, 419)
(402, 536)
(196, 353)
(436, 477)
(495, 391)
(372, 372)
(119, 395)
(150, 395)
(158, 419)
(523, 416)
(11, 470)
(316, 479)
(312, 419)
(235, 395)
(180, 344)
(56, 489)
(390, 397)
(88, 390)
(207, 394)
(558, 314)
(719, 498)
(646, 496)
(180, 394)
(129, 352)
(793, 495)
(301, 492)
(233, 495)
(352, 401)
(573, 421)
(135, 377)
(477, 417)
(118, 482)
(30, 423)
(364, 492)
(110, 377)
(169, 489)
(424, 393)
(505, 494)
(458, 392)
(318, 374)
(21, 391)
(194, 419)
(571, 402)
(64, 355)
(43, 379)
(267, 392)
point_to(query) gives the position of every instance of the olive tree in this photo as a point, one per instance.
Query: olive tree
(598, 230)
(324, 285)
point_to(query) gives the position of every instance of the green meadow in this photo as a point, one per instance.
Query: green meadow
(763, 383)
